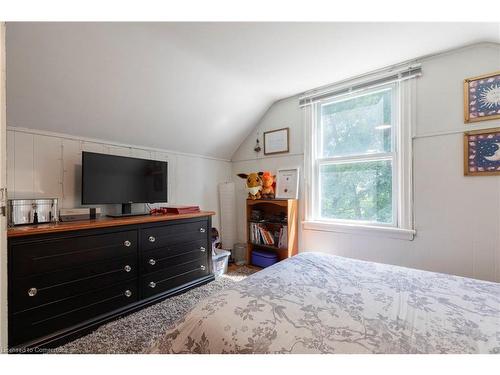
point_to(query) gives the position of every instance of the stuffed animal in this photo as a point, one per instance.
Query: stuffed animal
(216, 244)
(254, 184)
(268, 185)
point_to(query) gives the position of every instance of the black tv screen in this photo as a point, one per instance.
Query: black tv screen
(110, 179)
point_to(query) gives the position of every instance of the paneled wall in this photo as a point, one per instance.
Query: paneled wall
(46, 165)
(457, 218)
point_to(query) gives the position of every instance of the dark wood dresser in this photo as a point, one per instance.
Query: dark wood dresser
(65, 279)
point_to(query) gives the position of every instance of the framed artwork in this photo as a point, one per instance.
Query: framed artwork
(482, 152)
(482, 98)
(276, 141)
(287, 183)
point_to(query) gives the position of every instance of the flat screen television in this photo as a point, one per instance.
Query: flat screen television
(110, 179)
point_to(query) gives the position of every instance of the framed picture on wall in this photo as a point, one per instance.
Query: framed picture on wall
(287, 183)
(276, 141)
(482, 98)
(482, 152)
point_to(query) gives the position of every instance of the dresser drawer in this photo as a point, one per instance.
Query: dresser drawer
(38, 290)
(156, 237)
(172, 277)
(40, 321)
(168, 256)
(44, 256)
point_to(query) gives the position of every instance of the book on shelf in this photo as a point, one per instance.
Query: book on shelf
(260, 235)
(283, 237)
(266, 236)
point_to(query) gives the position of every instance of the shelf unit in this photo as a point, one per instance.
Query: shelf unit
(273, 208)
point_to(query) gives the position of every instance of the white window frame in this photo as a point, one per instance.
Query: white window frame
(391, 155)
(401, 155)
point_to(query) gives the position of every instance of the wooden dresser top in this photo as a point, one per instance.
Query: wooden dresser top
(29, 230)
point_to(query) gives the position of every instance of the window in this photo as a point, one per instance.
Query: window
(356, 159)
(358, 154)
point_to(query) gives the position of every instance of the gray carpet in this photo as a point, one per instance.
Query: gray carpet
(136, 332)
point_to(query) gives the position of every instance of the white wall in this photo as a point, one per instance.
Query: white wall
(196, 87)
(42, 164)
(284, 113)
(457, 218)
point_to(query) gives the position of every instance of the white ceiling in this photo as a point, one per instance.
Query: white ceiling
(194, 87)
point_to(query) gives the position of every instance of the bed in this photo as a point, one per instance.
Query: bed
(318, 303)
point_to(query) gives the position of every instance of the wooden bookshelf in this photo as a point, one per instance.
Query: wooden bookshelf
(271, 210)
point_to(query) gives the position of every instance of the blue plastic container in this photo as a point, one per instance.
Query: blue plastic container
(263, 258)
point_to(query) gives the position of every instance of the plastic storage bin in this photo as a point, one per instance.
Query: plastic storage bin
(220, 261)
(263, 258)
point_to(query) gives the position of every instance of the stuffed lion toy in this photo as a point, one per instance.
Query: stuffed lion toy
(254, 184)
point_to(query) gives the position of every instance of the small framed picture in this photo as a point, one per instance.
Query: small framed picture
(482, 152)
(482, 98)
(276, 141)
(287, 183)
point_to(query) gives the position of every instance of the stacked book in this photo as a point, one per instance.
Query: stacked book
(183, 209)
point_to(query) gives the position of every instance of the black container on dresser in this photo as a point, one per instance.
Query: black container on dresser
(66, 279)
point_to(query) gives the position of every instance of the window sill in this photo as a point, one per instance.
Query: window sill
(369, 230)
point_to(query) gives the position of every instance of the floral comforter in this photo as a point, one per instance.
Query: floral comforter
(318, 303)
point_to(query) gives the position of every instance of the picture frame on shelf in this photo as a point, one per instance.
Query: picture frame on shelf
(482, 152)
(276, 141)
(287, 183)
(482, 98)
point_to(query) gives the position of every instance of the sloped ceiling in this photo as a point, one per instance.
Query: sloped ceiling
(194, 87)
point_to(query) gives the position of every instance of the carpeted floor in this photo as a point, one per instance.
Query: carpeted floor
(135, 332)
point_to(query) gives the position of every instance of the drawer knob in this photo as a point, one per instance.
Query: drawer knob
(202, 267)
(202, 249)
(202, 230)
(32, 292)
(127, 268)
(152, 262)
(127, 243)
(151, 239)
(152, 284)
(128, 293)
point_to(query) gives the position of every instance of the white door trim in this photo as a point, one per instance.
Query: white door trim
(3, 184)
